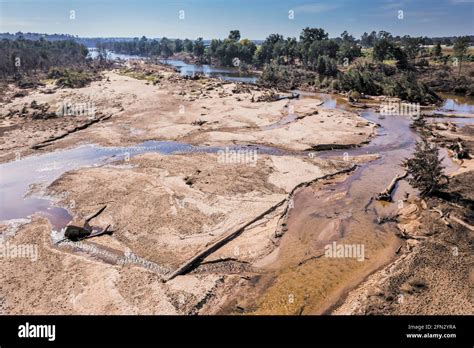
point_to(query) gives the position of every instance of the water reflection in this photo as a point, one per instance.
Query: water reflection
(228, 74)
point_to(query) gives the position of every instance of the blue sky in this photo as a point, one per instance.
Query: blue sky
(256, 19)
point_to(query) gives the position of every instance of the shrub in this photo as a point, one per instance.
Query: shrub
(378, 79)
(362, 80)
(286, 77)
(408, 88)
(70, 78)
(425, 169)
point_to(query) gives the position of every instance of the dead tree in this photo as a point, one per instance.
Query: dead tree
(386, 195)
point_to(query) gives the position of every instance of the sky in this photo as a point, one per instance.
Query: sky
(255, 19)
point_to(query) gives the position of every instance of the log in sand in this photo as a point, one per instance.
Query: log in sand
(209, 249)
(387, 194)
(65, 134)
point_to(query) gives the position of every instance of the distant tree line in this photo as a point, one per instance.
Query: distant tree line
(313, 50)
(152, 47)
(377, 63)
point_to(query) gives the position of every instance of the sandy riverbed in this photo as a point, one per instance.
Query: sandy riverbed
(164, 208)
(433, 273)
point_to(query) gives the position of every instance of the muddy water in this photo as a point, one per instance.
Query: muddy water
(336, 212)
(457, 104)
(455, 109)
(302, 278)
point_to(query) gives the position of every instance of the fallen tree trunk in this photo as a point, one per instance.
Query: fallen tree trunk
(65, 134)
(195, 260)
(292, 96)
(460, 152)
(442, 216)
(447, 217)
(368, 204)
(191, 263)
(324, 147)
(99, 233)
(461, 222)
(387, 194)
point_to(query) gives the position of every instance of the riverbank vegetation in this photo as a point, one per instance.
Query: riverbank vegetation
(425, 168)
(411, 68)
(28, 62)
(376, 64)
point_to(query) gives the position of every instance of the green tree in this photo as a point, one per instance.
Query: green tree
(234, 35)
(188, 45)
(326, 66)
(309, 35)
(412, 46)
(142, 44)
(368, 40)
(290, 50)
(461, 45)
(382, 49)
(348, 49)
(425, 169)
(309, 41)
(437, 51)
(199, 48)
(166, 47)
(178, 45)
(266, 52)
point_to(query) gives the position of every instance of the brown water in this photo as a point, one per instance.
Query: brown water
(337, 211)
(344, 212)
(457, 104)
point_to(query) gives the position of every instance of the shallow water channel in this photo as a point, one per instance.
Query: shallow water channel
(342, 211)
(19, 176)
(23, 181)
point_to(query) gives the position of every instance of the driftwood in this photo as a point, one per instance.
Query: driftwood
(447, 217)
(209, 249)
(219, 243)
(324, 147)
(90, 217)
(462, 223)
(443, 216)
(390, 218)
(387, 194)
(368, 204)
(65, 134)
(100, 233)
(292, 96)
(398, 249)
(77, 233)
(273, 96)
(302, 262)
